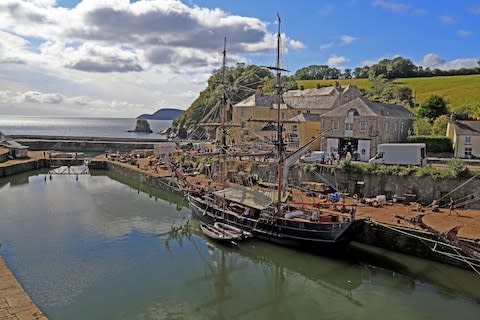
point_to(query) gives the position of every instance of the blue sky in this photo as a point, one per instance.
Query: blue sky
(121, 58)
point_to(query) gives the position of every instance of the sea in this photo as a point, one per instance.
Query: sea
(79, 127)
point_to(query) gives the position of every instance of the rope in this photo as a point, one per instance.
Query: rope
(455, 189)
(423, 239)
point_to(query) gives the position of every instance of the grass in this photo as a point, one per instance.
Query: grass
(458, 90)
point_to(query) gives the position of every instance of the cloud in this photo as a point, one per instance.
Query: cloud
(464, 33)
(194, 33)
(12, 48)
(446, 19)
(326, 46)
(419, 12)
(18, 97)
(94, 58)
(475, 10)
(47, 98)
(391, 6)
(296, 44)
(326, 10)
(346, 39)
(337, 61)
(434, 61)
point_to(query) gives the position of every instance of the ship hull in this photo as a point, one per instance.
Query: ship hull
(323, 237)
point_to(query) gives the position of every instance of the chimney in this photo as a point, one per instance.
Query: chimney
(259, 91)
(453, 118)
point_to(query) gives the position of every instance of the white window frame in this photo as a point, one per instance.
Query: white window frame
(363, 126)
(349, 126)
(467, 140)
(467, 152)
(334, 124)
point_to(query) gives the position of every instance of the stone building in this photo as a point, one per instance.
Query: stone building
(264, 109)
(465, 136)
(360, 125)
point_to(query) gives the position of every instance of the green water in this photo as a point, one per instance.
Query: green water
(101, 247)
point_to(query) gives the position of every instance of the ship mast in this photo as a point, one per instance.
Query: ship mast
(224, 116)
(280, 144)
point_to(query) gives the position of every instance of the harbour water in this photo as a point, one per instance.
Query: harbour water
(102, 247)
(79, 127)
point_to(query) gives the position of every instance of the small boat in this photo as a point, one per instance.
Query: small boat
(218, 234)
(239, 233)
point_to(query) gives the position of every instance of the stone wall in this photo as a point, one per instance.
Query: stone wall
(142, 177)
(85, 146)
(426, 188)
(22, 167)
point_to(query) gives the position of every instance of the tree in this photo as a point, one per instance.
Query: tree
(433, 107)
(468, 112)
(422, 127)
(439, 127)
(404, 95)
(378, 85)
(347, 74)
(361, 72)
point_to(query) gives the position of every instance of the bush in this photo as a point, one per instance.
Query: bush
(433, 143)
(458, 169)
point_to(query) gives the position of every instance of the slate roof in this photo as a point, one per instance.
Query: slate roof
(303, 117)
(467, 128)
(322, 98)
(257, 101)
(365, 107)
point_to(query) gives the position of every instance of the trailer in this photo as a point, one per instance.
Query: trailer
(401, 154)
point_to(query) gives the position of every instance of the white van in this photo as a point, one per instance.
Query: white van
(401, 153)
(314, 157)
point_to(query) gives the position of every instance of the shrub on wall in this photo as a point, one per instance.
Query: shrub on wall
(434, 143)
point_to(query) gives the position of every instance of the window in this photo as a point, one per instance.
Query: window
(363, 126)
(242, 112)
(386, 127)
(334, 124)
(349, 126)
(468, 140)
(468, 152)
(294, 128)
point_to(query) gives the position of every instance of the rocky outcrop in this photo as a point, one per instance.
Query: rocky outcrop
(142, 126)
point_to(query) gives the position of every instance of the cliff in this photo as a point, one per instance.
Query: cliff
(162, 114)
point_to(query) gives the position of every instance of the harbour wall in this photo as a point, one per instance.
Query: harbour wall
(85, 146)
(161, 182)
(22, 167)
(426, 188)
(419, 243)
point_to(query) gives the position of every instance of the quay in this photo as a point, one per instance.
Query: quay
(15, 304)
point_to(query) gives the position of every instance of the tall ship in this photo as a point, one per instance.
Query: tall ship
(279, 216)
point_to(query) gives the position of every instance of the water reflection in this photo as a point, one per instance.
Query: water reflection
(97, 248)
(172, 198)
(351, 287)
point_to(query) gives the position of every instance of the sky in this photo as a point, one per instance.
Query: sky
(121, 58)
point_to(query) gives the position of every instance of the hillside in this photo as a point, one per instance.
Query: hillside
(162, 114)
(458, 90)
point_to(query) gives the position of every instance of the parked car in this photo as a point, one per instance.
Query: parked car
(315, 157)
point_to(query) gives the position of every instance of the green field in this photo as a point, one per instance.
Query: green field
(458, 90)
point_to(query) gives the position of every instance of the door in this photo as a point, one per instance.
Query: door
(364, 149)
(332, 145)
